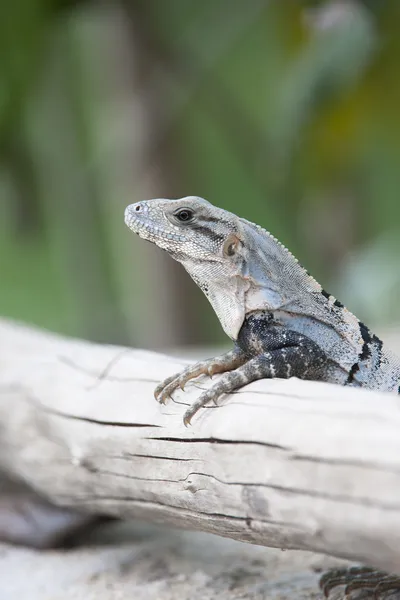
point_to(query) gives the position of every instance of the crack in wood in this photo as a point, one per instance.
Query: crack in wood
(94, 421)
(247, 521)
(339, 462)
(215, 440)
(129, 455)
(348, 501)
(104, 375)
(171, 458)
(244, 484)
(57, 413)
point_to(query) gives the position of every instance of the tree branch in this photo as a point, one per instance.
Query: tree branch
(287, 464)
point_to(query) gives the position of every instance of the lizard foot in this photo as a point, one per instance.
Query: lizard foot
(229, 382)
(368, 581)
(269, 364)
(212, 366)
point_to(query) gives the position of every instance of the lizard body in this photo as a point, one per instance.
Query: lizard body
(282, 322)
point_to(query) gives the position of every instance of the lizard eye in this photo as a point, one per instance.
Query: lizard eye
(184, 215)
(231, 245)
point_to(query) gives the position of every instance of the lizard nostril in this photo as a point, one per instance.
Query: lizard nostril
(138, 207)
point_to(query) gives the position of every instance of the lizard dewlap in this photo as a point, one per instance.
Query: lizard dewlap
(282, 322)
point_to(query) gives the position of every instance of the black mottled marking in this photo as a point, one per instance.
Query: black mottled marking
(338, 304)
(398, 391)
(370, 341)
(264, 349)
(354, 369)
(279, 347)
(367, 337)
(270, 350)
(210, 233)
(329, 296)
(207, 219)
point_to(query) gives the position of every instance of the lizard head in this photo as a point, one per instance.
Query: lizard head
(207, 241)
(189, 228)
(239, 266)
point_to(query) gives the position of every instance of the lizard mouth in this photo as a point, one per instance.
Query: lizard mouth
(146, 229)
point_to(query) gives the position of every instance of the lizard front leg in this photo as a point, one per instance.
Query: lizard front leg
(264, 349)
(220, 364)
(303, 359)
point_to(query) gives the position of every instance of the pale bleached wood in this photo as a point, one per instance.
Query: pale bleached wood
(287, 464)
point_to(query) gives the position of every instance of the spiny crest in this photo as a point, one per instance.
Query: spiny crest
(283, 247)
(269, 234)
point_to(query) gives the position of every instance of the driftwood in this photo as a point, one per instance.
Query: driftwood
(287, 464)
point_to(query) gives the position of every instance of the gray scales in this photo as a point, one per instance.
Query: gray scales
(282, 322)
(280, 319)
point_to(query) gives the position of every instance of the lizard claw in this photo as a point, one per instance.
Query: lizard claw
(163, 397)
(187, 420)
(158, 391)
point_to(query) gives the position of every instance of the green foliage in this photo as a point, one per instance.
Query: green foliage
(259, 106)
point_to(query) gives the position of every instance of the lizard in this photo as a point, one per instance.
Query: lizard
(281, 321)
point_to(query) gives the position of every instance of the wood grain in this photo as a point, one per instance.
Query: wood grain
(287, 464)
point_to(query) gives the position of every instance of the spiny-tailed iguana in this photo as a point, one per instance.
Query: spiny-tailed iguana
(282, 322)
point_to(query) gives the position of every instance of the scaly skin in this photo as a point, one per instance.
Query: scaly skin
(371, 582)
(263, 350)
(282, 322)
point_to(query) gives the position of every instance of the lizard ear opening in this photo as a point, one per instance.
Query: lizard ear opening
(231, 245)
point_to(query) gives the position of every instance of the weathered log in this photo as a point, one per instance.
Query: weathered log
(287, 464)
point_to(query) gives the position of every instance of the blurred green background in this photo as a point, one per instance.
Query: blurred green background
(285, 112)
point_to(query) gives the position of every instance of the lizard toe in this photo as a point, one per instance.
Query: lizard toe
(203, 399)
(187, 420)
(164, 397)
